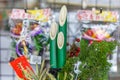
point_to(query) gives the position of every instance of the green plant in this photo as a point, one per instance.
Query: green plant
(94, 65)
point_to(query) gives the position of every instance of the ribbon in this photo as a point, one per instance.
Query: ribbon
(76, 69)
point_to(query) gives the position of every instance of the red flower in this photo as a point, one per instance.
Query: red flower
(76, 54)
(90, 42)
(89, 32)
(71, 54)
(78, 49)
(77, 39)
(99, 40)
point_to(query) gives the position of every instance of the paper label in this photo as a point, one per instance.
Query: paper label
(107, 16)
(41, 15)
(20, 14)
(35, 59)
(21, 65)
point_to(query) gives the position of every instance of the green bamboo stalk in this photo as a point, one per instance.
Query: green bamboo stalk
(62, 28)
(53, 44)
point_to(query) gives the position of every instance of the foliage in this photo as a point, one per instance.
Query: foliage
(40, 40)
(94, 65)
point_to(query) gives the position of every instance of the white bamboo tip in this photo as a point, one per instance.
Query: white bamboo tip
(53, 30)
(63, 15)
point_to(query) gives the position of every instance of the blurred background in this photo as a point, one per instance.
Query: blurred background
(6, 72)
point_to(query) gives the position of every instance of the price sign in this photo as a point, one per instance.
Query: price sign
(21, 65)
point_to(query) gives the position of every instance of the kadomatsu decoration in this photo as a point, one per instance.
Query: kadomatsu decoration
(23, 27)
(90, 64)
(29, 31)
(95, 47)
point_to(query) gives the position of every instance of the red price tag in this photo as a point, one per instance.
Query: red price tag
(19, 65)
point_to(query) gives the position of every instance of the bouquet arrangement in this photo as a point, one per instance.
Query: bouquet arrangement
(30, 34)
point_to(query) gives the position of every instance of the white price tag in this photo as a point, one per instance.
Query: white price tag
(35, 59)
